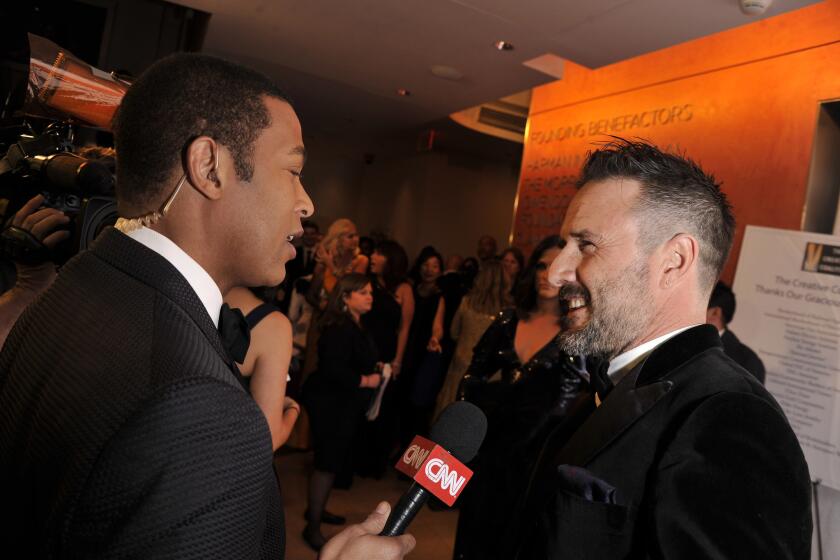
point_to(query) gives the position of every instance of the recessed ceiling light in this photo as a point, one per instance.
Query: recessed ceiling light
(403, 92)
(446, 72)
(503, 45)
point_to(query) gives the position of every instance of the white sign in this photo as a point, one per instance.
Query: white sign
(787, 289)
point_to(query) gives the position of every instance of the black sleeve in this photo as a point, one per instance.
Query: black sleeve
(487, 359)
(338, 356)
(732, 484)
(189, 477)
(755, 366)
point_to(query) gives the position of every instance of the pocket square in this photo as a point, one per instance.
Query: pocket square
(583, 484)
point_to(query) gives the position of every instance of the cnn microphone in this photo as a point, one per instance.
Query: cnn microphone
(437, 465)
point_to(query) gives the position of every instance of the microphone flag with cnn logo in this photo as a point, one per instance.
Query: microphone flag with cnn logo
(433, 468)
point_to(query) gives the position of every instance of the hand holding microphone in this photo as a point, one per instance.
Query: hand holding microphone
(362, 541)
(437, 469)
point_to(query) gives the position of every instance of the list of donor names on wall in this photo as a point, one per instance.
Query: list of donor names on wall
(788, 311)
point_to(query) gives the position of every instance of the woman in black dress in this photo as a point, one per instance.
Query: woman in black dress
(388, 323)
(423, 370)
(266, 365)
(337, 394)
(393, 303)
(539, 384)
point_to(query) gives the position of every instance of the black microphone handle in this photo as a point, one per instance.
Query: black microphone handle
(405, 510)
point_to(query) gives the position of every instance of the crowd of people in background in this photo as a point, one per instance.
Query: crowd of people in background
(359, 315)
(422, 321)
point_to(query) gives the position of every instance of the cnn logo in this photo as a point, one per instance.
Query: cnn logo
(439, 473)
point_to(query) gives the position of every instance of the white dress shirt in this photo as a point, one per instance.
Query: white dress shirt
(618, 364)
(202, 284)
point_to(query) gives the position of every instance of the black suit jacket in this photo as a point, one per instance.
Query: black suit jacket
(295, 269)
(123, 430)
(688, 457)
(742, 354)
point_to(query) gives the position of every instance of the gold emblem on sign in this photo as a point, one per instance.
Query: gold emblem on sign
(813, 254)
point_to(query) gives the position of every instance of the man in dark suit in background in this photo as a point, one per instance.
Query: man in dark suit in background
(304, 262)
(311, 236)
(125, 430)
(487, 248)
(720, 312)
(681, 453)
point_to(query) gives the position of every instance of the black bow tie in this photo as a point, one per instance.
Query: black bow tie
(235, 333)
(598, 378)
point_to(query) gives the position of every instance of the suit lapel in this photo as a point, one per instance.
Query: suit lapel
(148, 267)
(624, 405)
(635, 395)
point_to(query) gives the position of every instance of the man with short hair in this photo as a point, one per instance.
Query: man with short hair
(302, 265)
(720, 312)
(680, 453)
(125, 428)
(487, 248)
(311, 237)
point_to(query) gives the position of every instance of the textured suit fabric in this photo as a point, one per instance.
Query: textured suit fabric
(742, 354)
(123, 430)
(702, 459)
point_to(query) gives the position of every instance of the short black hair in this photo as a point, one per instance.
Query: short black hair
(723, 297)
(176, 100)
(676, 196)
(310, 224)
(525, 293)
(426, 253)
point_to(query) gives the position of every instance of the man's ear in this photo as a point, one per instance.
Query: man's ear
(679, 257)
(202, 164)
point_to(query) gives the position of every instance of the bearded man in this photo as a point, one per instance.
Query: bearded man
(683, 454)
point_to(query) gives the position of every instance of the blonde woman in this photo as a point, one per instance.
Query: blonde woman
(489, 295)
(336, 256)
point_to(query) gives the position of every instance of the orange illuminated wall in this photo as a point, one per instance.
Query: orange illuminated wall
(743, 103)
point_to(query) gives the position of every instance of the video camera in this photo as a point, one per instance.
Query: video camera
(40, 155)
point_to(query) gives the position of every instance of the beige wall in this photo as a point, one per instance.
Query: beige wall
(332, 176)
(419, 199)
(447, 201)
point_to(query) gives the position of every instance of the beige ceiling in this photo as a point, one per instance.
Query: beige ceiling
(342, 60)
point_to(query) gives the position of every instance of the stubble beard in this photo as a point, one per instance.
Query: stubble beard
(619, 311)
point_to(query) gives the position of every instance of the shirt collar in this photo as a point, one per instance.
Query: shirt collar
(202, 284)
(618, 363)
